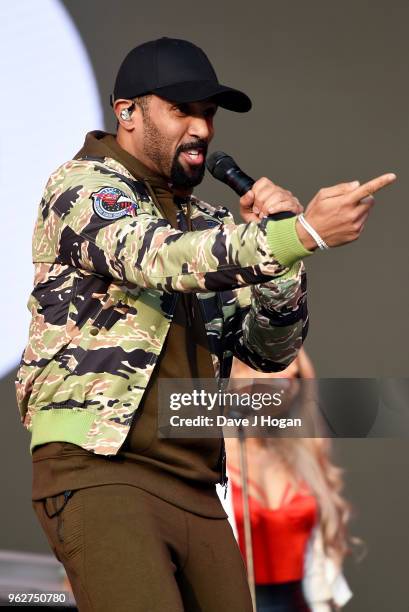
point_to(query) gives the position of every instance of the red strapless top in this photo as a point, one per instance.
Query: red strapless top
(279, 536)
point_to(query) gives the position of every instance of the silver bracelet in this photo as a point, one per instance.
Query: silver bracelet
(320, 242)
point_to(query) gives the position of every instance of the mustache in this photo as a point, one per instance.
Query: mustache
(202, 145)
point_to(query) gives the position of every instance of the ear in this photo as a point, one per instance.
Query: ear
(124, 117)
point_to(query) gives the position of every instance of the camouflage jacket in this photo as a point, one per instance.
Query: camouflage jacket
(108, 267)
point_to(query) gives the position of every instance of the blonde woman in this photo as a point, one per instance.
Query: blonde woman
(298, 515)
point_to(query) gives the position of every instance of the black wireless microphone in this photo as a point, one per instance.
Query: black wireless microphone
(224, 168)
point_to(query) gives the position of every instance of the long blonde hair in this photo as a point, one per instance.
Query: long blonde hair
(308, 460)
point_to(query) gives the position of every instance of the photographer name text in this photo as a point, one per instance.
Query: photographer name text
(223, 421)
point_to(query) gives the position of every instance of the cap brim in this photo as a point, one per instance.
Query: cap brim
(195, 91)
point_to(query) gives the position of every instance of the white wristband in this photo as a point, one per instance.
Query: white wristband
(320, 242)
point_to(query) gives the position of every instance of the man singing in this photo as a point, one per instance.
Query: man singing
(136, 280)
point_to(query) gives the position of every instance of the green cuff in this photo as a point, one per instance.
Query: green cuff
(60, 425)
(292, 272)
(282, 238)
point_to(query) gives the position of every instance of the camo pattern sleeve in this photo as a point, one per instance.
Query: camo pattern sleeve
(91, 219)
(274, 327)
(270, 323)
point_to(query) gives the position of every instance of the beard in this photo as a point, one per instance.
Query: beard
(194, 176)
(156, 147)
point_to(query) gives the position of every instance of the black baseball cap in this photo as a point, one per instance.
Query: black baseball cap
(176, 70)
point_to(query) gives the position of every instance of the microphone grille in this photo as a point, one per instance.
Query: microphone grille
(218, 163)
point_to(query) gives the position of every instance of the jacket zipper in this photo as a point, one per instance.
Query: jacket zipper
(187, 298)
(223, 479)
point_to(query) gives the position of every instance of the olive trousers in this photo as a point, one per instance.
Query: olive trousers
(126, 550)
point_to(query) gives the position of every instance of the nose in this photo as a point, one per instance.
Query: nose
(201, 127)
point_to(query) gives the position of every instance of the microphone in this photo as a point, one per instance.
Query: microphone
(224, 168)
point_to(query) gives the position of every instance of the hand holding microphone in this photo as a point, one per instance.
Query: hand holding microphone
(336, 215)
(268, 199)
(261, 198)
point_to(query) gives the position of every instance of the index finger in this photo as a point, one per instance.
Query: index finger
(371, 187)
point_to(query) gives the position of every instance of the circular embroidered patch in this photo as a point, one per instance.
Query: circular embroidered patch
(112, 203)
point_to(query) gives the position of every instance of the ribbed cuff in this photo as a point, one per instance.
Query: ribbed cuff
(282, 238)
(60, 425)
(292, 272)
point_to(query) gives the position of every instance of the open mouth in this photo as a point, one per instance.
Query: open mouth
(195, 157)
